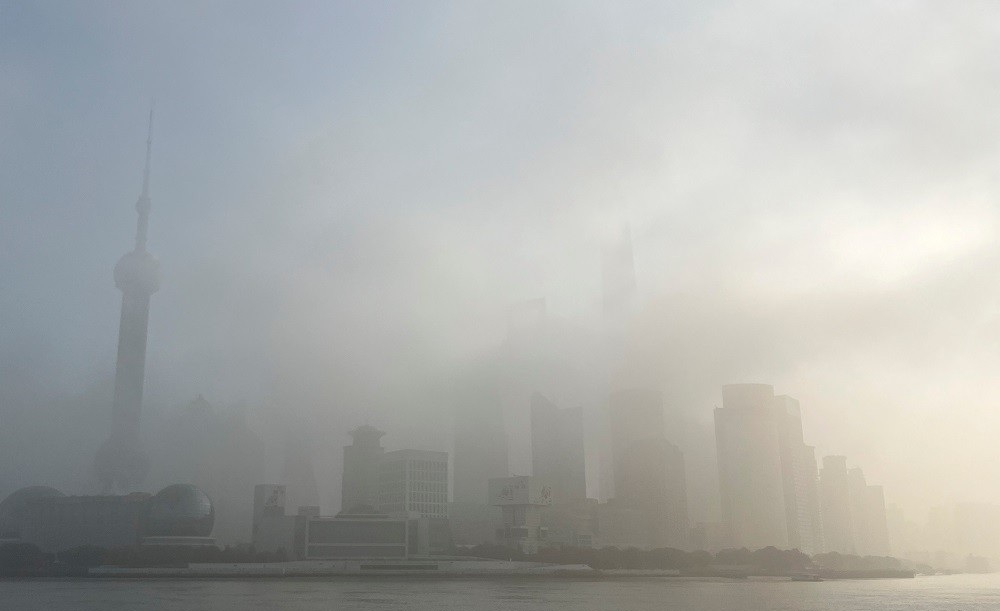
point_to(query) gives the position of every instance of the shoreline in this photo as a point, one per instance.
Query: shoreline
(356, 571)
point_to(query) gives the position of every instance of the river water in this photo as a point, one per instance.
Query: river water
(940, 593)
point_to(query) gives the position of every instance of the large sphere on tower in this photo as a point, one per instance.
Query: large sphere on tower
(138, 272)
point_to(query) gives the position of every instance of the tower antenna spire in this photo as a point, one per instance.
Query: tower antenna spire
(142, 206)
(149, 151)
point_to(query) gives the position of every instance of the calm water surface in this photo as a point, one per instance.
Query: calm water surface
(946, 593)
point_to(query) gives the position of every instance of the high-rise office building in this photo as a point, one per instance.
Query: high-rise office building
(480, 446)
(413, 481)
(359, 486)
(633, 414)
(878, 521)
(654, 483)
(747, 430)
(799, 479)
(857, 494)
(297, 472)
(557, 451)
(869, 526)
(121, 462)
(835, 505)
(648, 470)
(218, 451)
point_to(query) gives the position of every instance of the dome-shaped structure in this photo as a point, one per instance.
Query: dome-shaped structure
(138, 271)
(180, 510)
(13, 507)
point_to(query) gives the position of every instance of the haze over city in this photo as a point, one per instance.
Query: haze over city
(349, 201)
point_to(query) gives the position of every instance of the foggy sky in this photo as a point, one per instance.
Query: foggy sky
(347, 197)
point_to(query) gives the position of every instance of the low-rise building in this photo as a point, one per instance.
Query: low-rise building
(521, 499)
(178, 515)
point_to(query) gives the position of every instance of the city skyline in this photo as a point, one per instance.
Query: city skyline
(353, 203)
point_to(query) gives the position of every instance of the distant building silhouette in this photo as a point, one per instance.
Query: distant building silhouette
(359, 485)
(180, 515)
(799, 476)
(869, 526)
(219, 452)
(633, 414)
(879, 542)
(121, 462)
(558, 457)
(557, 451)
(835, 495)
(747, 430)
(297, 472)
(648, 469)
(854, 513)
(480, 445)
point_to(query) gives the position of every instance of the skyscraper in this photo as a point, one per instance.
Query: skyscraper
(633, 414)
(361, 463)
(878, 522)
(557, 451)
(219, 452)
(121, 461)
(869, 527)
(835, 504)
(297, 472)
(480, 446)
(799, 477)
(750, 466)
(648, 469)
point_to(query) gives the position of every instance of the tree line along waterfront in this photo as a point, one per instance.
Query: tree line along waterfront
(26, 560)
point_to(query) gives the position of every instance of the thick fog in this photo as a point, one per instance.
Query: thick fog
(348, 199)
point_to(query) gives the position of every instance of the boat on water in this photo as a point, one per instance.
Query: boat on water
(806, 577)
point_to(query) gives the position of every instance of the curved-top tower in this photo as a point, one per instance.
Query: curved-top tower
(121, 462)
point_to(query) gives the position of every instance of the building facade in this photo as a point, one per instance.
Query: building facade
(359, 485)
(649, 472)
(869, 526)
(838, 526)
(751, 485)
(800, 479)
(356, 535)
(480, 451)
(557, 450)
(521, 499)
(413, 481)
(178, 515)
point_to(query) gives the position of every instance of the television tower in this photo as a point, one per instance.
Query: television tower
(121, 462)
